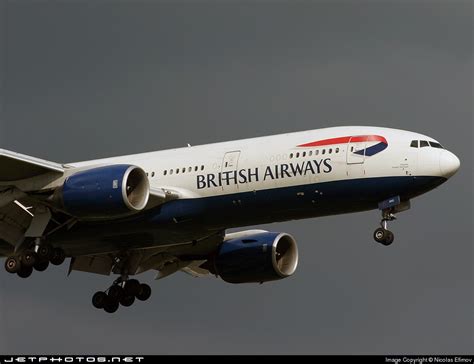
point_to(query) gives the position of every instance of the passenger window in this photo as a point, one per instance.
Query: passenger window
(196, 169)
(424, 143)
(310, 153)
(153, 174)
(316, 152)
(324, 151)
(202, 168)
(177, 170)
(414, 144)
(297, 155)
(190, 169)
(165, 172)
(330, 150)
(184, 170)
(171, 171)
(291, 155)
(337, 150)
(304, 154)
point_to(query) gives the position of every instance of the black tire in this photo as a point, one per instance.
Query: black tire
(144, 293)
(132, 287)
(116, 292)
(380, 235)
(25, 272)
(12, 265)
(28, 258)
(44, 252)
(41, 265)
(58, 256)
(99, 299)
(110, 305)
(127, 301)
(389, 238)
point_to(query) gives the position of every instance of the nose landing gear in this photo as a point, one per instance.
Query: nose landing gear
(389, 208)
(382, 235)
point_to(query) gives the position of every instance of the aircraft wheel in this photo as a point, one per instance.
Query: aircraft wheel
(132, 287)
(58, 256)
(99, 299)
(388, 238)
(111, 305)
(116, 292)
(28, 258)
(127, 301)
(144, 293)
(12, 265)
(41, 265)
(44, 252)
(380, 235)
(25, 272)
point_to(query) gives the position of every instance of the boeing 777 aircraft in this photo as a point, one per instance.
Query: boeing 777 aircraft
(168, 211)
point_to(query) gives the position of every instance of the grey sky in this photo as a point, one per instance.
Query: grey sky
(84, 80)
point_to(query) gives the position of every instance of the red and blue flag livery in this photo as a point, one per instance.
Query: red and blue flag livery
(381, 143)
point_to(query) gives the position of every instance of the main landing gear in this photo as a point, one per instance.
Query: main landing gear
(122, 292)
(37, 257)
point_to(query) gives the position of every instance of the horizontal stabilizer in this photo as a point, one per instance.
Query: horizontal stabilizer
(15, 166)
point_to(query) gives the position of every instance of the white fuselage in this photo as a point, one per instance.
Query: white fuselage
(192, 168)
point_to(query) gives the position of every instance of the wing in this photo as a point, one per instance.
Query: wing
(15, 166)
(188, 258)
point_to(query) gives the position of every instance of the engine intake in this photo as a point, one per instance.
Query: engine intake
(103, 192)
(258, 258)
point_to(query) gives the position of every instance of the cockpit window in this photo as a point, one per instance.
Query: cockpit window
(414, 144)
(436, 145)
(424, 143)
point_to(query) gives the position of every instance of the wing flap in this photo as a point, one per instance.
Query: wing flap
(16, 166)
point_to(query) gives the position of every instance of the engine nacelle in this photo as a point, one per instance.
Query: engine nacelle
(102, 192)
(262, 257)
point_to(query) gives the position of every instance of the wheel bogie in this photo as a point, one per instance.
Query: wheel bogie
(119, 294)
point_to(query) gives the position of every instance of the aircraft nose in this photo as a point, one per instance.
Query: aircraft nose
(448, 163)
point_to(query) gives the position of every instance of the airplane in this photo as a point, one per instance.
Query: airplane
(170, 210)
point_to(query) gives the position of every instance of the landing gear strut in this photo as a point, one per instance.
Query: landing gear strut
(382, 235)
(123, 292)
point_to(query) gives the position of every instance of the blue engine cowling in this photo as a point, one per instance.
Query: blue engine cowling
(262, 257)
(103, 192)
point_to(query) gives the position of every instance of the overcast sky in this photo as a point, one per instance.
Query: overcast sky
(83, 80)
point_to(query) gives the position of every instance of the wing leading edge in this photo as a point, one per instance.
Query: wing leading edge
(16, 166)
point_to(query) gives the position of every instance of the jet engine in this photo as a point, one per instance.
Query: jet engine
(261, 257)
(105, 192)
